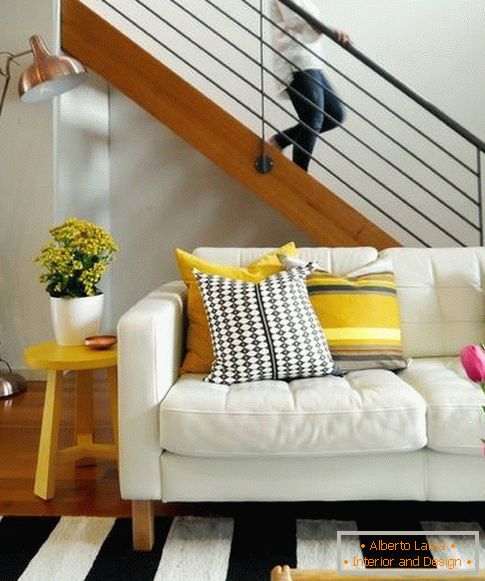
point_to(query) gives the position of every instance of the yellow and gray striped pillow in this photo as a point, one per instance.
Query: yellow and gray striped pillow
(359, 314)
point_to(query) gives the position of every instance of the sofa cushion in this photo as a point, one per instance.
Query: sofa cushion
(455, 418)
(265, 330)
(441, 298)
(359, 313)
(368, 411)
(199, 356)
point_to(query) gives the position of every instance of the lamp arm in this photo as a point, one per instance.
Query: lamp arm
(4, 92)
(6, 73)
(12, 57)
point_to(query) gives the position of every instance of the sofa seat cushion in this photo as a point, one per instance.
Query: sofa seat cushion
(455, 418)
(369, 411)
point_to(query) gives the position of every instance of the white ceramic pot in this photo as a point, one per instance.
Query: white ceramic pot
(74, 319)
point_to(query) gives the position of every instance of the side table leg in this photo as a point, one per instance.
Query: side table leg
(113, 395)
(84, 417)
(84, 408)
(46, 461)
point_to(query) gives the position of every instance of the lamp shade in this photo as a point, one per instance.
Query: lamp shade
(49, 75)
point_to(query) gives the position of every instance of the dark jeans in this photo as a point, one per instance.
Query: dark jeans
(311, 84)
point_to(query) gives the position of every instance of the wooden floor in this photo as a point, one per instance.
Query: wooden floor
(91, 490)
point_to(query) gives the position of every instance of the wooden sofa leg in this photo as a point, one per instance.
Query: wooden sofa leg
(142, 525)
(281, 574)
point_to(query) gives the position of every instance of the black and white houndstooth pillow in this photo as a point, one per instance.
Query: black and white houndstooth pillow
(267, 330)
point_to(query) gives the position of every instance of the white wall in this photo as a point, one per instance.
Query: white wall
(26, 187)
(82, 161)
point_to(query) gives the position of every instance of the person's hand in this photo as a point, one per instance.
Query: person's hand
(342, 37)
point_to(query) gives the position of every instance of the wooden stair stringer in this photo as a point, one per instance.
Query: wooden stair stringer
(312, 207)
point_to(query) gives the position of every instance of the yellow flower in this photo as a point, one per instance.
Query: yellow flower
(76, 258)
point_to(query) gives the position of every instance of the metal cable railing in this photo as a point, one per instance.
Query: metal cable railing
(264, 163)
(384, 74)
(344, 102)
(452, 124)
(355, 52)
(185, 61)
(319, 137)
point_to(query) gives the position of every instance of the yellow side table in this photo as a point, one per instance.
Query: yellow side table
(56, 359)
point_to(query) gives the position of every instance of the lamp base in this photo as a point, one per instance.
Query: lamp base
(11, 384)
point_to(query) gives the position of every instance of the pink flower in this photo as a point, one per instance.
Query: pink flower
(473, 360)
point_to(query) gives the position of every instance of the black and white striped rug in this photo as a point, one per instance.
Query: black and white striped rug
(187, 548)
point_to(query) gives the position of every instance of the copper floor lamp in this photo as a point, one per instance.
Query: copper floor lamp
(48, 76)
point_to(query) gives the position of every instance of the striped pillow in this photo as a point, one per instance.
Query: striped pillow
(359, 313)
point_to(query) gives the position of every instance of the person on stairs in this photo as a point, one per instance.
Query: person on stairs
(302, 79)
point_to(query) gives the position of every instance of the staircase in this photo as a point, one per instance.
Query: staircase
(221, 137)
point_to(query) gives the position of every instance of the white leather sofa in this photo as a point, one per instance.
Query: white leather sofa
(414, 435)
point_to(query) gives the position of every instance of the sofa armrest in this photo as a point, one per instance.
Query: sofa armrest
(150, 350)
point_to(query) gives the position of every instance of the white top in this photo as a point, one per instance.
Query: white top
(299, 57)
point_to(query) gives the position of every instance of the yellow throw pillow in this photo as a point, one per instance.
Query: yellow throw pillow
(359, 314)
(200, 356)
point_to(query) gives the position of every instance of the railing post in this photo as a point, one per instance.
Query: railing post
(480, 197)
(263, 163)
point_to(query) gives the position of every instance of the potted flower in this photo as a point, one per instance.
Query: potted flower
(74, 262)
